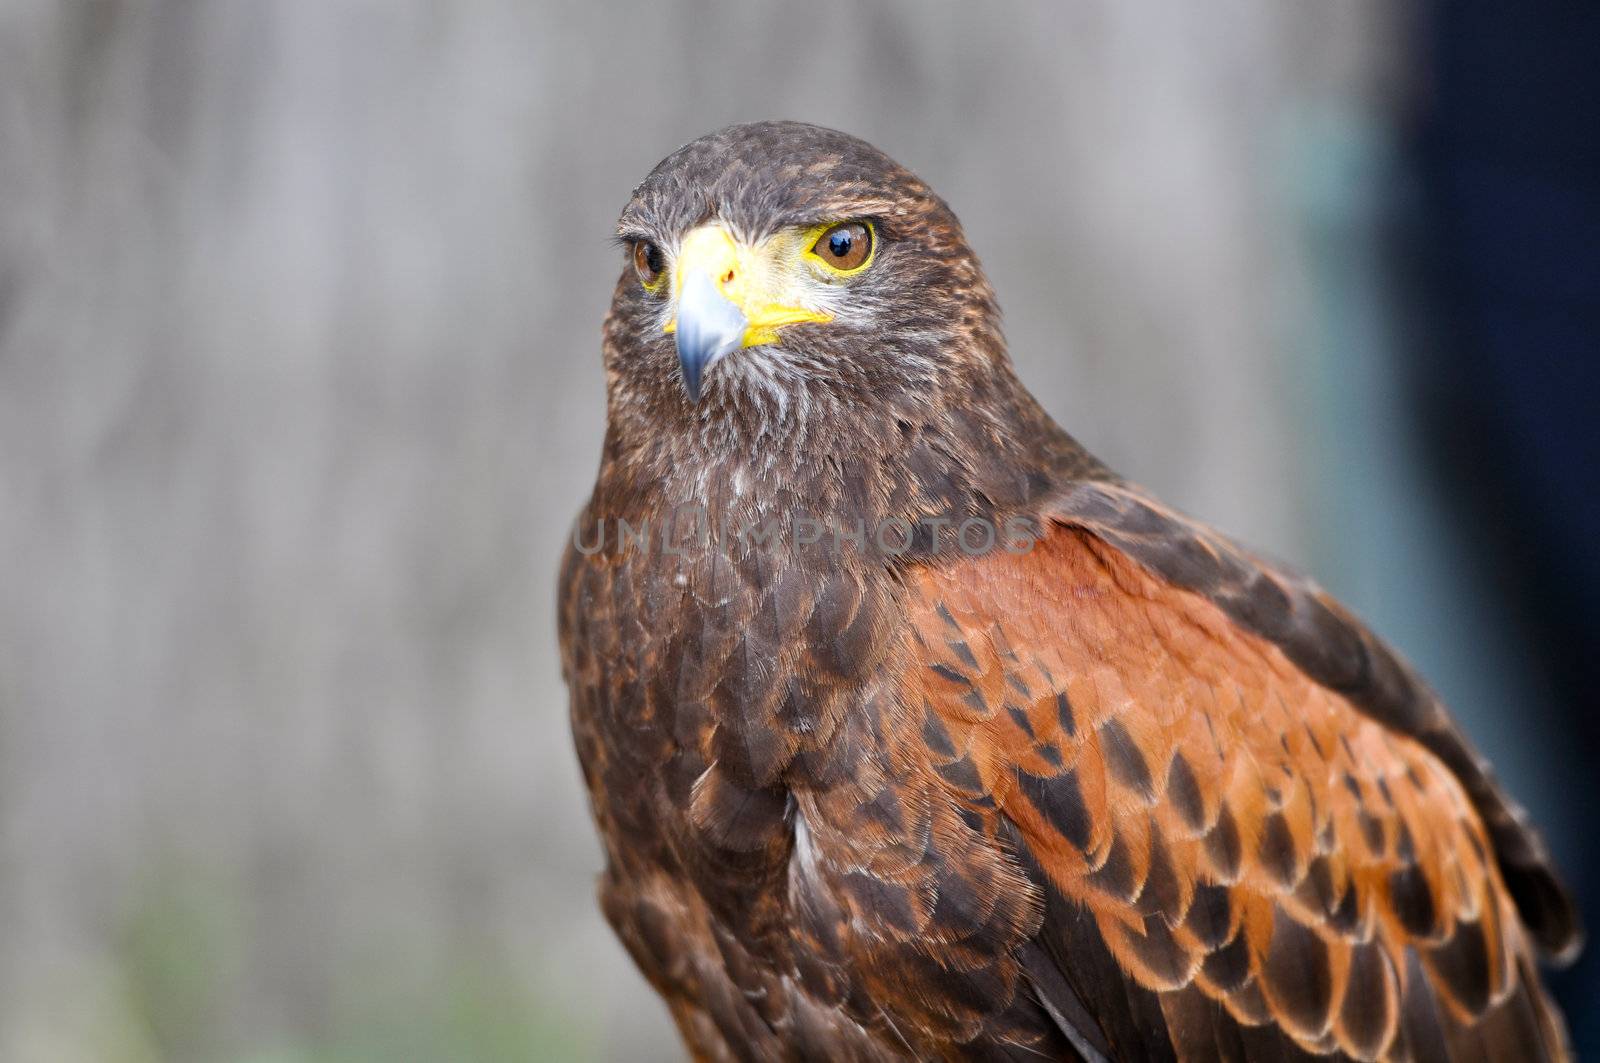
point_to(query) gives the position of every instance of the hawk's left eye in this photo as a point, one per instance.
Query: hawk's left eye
(649, 263)
(845, 247)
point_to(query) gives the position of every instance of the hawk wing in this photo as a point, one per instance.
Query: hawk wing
(1255, 831)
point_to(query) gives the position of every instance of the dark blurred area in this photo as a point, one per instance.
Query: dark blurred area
(1507, 374)
(300, 388)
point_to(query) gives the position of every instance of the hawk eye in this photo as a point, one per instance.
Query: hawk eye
(845, 247)
(649, 263)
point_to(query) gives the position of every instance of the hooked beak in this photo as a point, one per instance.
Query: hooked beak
(727, 298)
(709, 326)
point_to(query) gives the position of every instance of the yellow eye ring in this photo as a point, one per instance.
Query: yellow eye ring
(843, 248)
(650, 263)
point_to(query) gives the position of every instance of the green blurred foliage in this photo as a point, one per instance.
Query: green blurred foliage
(185, 943)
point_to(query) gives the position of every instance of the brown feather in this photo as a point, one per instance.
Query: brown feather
(1160, 676)
(1129, 794)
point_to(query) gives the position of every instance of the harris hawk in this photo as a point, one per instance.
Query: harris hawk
(914, 732)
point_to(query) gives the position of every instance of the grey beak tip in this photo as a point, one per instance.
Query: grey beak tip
(691, 379)
(695, 354)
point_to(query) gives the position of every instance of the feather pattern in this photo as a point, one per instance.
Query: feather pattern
(1301, 865)
(1119, 791)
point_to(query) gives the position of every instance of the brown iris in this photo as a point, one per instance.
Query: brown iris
(845, 246)
(648, 262)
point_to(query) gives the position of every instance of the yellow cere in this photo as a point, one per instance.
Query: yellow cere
(771, 284)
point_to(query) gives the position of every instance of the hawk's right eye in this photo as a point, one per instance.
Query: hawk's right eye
(649, 263)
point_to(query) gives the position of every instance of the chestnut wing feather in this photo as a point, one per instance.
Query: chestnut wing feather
(1338, 652)
(1256, 833)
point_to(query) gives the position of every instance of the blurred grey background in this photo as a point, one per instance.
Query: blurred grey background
(300, 389)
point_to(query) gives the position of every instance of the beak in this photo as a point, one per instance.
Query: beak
(727, 298)
(709, 326)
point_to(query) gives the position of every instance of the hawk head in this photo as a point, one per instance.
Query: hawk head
(780, 266)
